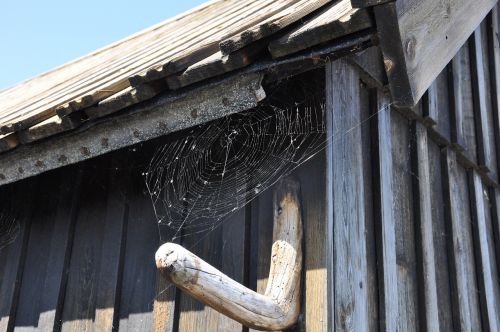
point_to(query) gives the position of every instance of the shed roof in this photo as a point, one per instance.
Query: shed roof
(209, 31)
(83, 108)
(213, 39)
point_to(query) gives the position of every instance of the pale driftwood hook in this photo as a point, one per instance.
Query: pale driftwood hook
(279, 307)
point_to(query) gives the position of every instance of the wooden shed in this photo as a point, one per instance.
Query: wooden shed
(385, 113)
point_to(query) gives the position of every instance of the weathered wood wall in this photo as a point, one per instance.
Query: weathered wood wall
(401, 214)
(427, 206)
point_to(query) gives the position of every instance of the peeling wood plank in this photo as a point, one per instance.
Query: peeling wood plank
(151, 120)
(335, 20)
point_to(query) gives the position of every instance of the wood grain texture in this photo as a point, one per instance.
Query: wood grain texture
(335, 20)
(493, 32)
(436, 106)
(428, 40)
(441, 237)
(318, 260)
(424, 232)
(460, 250)
(151, 120)
(290, 14)
(462, 127)
(92, 273)
(217, 64)
(138, 281)
(12, 258)
(489, 306)
(404, 217)
(8, 142)
(49, 248)
(279, 306)
(482, 102)
(350, 266)
(163, 49)
(384, 217)
(371, 67)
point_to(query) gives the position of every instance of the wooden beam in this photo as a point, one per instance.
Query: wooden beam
(419, 38)
(371, 67)
(279, 307)
(153, 119)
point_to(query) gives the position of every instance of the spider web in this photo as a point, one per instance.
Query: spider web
(9, 230)
(217, 168)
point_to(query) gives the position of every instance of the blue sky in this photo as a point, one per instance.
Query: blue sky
(37, 35)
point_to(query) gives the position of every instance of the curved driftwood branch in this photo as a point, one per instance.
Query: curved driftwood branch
(279, 307)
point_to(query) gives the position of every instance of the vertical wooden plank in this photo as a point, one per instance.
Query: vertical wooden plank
(385, 223)
(111, 261)
(436, 107)
(482, 102)
(351, 296)
(493, 33)
(48, 249)
(488, 213)
(12, 258)
(223, 248)
(81, 292)
(371, 245)
(164, 308)
(441, 238)
(194, 315)
(405, 226)
(233, 256)
(262, 222)
(60, 250)
(460, 250)
(139, 279)
(463, 131)
(481, 249)
(495, 225)
(424, 233)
